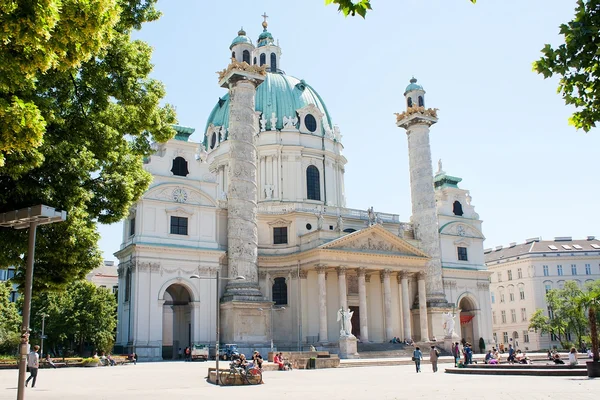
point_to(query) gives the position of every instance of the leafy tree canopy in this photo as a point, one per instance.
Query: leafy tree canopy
(9, 320)
(81, 315)
(353, 7)
(98, 111)
(577, 63)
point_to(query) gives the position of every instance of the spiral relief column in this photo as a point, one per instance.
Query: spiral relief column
(242, 320)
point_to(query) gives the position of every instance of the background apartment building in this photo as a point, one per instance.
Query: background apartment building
(521, 276)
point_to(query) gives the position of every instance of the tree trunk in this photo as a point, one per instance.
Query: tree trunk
(594, 333)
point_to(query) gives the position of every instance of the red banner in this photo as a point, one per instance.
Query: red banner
(465, 319)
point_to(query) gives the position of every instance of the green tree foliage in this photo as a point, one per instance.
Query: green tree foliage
(590, 300)
(9, 321)
(567, 316)
(90, 87)
(353, 7)
(82, 315)
(38, 37)
(577, 63)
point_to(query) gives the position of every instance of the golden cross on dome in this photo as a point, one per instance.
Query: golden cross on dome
(265, 24)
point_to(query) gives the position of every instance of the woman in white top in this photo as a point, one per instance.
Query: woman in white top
(573, 356)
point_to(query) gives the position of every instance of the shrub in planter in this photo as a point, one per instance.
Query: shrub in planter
(90, 362)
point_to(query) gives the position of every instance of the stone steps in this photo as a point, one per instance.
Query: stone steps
(527, 366)
(519, 371)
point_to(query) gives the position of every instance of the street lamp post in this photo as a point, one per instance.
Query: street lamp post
(218, 314)
(44, 315)
(29, 217)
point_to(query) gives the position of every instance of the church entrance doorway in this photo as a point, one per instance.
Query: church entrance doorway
(467, 315)
(355, 321)
(177, 321)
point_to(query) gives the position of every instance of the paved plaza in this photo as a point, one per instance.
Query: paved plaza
(181, 380)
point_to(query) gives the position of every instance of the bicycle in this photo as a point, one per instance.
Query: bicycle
(248, 376)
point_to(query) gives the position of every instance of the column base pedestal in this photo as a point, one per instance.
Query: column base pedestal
(348, 347)
(246, 323)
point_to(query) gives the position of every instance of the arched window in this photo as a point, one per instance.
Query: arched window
(263, 59)
(457, 208)
(233, 54)
(421, 102)
(310, 122)
(254, 60)
(409, 102)
(246, 56)
(180, 167)
(279, 292)
(313, 183)
(213, 140)
(273, 62)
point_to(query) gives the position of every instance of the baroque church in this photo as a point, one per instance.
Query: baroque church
(261, 198)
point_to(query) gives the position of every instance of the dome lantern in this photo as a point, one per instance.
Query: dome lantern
(414, 94)
(241, 47)
(267, 52)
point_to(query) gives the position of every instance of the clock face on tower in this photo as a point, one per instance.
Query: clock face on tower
(180, 195)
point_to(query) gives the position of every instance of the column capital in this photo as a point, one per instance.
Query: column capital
(303, 274)
(361, 271)
(321, 269)
(386, 272)
(421, 275)
(341, 270)
(367, 278)
(403, 275)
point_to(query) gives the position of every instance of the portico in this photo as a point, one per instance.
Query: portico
(356, 270)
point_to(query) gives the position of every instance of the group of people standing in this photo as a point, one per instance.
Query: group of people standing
(417, 357)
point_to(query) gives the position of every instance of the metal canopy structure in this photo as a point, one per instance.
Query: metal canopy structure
(40, 214)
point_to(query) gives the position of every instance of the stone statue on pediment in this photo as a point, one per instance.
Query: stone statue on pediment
(371, 215)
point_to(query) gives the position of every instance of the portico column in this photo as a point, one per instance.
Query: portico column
(387, 304)
(342, 287)
(405, 306)
(195, 308)
(423, 306)
(362, 306)
(321, 274)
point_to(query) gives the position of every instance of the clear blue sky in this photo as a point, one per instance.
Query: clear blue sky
(502, 127)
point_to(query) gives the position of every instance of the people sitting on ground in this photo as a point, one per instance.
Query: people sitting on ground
(573, 356)
(257, 359)
(556, 359)
(286, 363)
(488, 356)
(241, 362)
(111, 361)
(521, 358)
(49, 361)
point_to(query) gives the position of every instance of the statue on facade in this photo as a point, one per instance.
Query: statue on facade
(336, 133)
(263, 123)
(401, 229)
(345, 317)
(469, 198)
(201, 155)
(371, 215)
(273, 122)
(289, 122)
(268, 192)
(449, 324)
(340, 224)
(320, 220)
(440, 170)
(222, 134)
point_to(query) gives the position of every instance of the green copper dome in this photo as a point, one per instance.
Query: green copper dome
(280, 94)
(264, 39)
(413, 86)
(240, 38)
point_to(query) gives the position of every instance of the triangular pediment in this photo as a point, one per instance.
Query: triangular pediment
(374, 239)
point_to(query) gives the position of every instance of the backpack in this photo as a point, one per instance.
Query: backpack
(437, 353)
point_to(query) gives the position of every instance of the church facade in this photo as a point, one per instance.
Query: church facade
(262, 198)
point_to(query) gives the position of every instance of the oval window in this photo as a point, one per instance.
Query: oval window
(310, 122)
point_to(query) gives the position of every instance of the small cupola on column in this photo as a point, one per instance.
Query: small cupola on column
(267, 52)
(242, 47)
(414, 94)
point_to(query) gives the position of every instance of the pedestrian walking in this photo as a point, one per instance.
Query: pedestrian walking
(33, 363)
(433, 357)
(417, 357)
